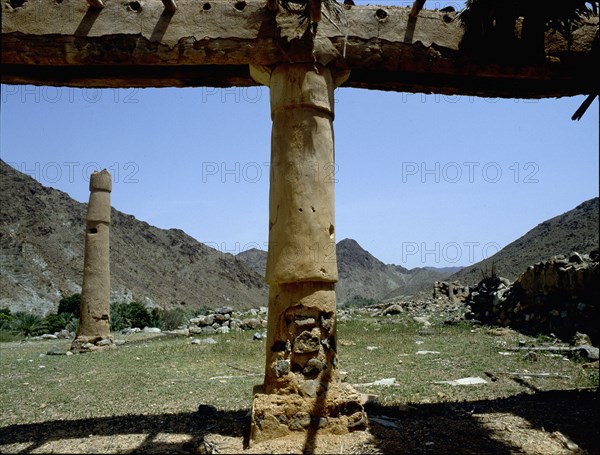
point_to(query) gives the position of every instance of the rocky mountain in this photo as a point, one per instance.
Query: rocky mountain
(575, 230)
(41, 240)
(362, 275)
(41, 244)
(444, 270)
(255, 259)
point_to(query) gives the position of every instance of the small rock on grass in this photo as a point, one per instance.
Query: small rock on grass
(203, 341)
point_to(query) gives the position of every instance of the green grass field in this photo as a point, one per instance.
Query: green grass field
(167, 375)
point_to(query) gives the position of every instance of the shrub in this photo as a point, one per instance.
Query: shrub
(9, 335)
(28, 324)
(132, 314)
(73, 325)
(168, 319)
(118, 320)
(70, 304)
(139, 315)
(202, 311)
(156, 317)
(57, 322)
(5, 318)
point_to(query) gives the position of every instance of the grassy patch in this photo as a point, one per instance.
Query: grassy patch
(153, 376)
(171, 375)
(9, 335)
(371, 351)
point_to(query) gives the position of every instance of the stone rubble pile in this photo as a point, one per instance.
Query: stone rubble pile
(63, 334)
(557, 296)
(219, 320)
(225, 320)
(454, 291)
(93, 343)
(440, 309)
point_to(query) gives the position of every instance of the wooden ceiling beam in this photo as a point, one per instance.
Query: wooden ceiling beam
(142, 43)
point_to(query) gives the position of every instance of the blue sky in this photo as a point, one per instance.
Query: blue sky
(421, 180)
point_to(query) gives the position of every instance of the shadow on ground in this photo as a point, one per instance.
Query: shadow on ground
(195, 424)
(424, 428)
(517, 424)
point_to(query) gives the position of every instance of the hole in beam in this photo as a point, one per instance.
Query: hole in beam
(134, 6)
(381, 14)
(240, 5)
(206, 6)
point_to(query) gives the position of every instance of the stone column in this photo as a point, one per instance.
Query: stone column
(94, 323)
(301, 389)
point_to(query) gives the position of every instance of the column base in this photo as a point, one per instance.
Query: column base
(337, 411)
(84, 343)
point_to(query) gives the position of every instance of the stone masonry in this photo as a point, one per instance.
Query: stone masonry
(558, 296)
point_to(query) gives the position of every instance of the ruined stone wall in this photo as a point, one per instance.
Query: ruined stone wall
(558, 296)
(455, 291)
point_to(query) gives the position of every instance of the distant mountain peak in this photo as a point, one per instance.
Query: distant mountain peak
(361, 274)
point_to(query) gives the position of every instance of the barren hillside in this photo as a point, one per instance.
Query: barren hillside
(575, 230)
(41, 239)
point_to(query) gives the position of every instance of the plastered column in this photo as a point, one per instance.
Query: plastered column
(94, 322)
(301, 390)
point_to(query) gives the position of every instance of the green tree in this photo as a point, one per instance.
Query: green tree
(168, 319)
(70, 304)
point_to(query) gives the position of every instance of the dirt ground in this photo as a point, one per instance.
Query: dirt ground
(548, 422)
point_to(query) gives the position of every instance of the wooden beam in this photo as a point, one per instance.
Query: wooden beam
(170, 5)
(140, 43)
